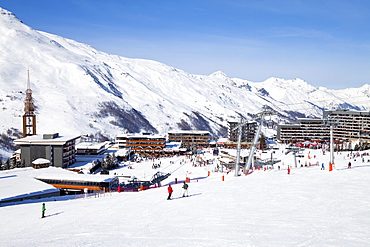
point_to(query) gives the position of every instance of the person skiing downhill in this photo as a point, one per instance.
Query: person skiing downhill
(170, 190)
(185, 187)
(43, 209)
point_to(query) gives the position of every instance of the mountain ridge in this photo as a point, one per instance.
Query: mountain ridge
(78, 89)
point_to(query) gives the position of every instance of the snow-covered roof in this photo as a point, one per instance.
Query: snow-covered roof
(69, 175)
(39, 140)
(91, 145)
(138, 135)
(40, 161)
(122, 152)
(188, 132)
(21, 182)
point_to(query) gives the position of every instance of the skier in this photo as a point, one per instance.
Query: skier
(322, 166)
(185, 187)
(43, 209)
(170, 190)
(288, 170)
(349, 165)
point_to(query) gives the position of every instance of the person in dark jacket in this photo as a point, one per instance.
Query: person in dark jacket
(43, 209)
(170, 190)
(185, 187)
(349, 165)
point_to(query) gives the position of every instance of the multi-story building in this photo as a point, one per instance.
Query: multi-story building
(248, 131)
(190, 138)
(141, 143)
(60, 150)
(92, 148)
(350, 125)
(347, 126)
(313, 129)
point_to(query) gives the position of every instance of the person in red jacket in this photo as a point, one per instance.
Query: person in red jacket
(170, 190)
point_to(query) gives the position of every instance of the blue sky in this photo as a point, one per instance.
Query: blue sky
(326, 43)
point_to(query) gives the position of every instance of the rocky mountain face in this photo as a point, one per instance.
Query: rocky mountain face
(80, 90)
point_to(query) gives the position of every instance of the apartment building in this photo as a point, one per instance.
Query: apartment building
(141, 143)
(248, 131)
(190, 138)
(347, 126)
(59, 150)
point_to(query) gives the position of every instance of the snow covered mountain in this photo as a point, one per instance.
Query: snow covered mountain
(78, 89)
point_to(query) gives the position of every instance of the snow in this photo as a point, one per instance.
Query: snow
(72, 82)
(21, 182)
(309, 207)
(40, 161)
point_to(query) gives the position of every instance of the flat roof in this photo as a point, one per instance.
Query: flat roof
(73, 176)
(329, 112)
(20, 182)
(136, 135)
(91, 145)
(188, 132)
(38, 139)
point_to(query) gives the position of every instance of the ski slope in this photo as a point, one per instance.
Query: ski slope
(309, 207)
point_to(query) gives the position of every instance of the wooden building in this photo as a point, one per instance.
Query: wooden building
(190, 138)
(141, 143)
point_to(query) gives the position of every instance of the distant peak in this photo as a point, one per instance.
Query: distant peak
(280, 80)
(219, 74)
(6, 14)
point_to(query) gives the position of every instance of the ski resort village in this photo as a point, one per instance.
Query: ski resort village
(102, 150)
(306, 186)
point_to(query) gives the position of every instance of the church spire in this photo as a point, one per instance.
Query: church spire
(29, 117)
(28, 80)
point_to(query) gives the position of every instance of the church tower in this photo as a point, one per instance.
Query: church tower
(29, 117)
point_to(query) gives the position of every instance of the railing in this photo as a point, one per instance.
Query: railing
(93, 195)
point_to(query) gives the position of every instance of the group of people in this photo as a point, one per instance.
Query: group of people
(155, 166)
(185, 187)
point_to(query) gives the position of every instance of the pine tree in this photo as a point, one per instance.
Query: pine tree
(114, 160)
(108, 161)
(7, 164)
(104, 165)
